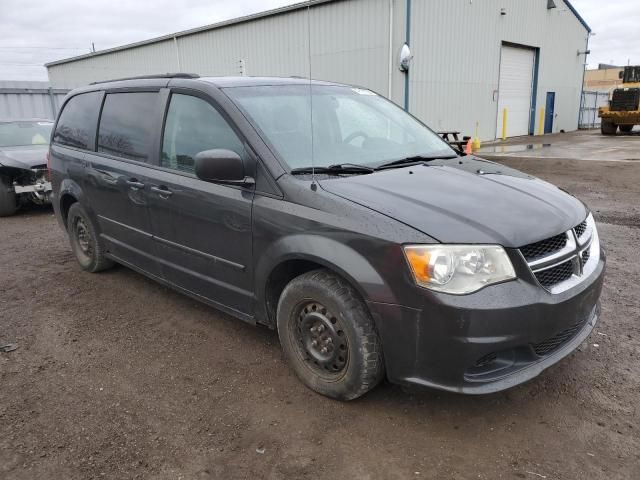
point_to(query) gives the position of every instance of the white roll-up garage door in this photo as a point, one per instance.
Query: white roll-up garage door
(516, 84)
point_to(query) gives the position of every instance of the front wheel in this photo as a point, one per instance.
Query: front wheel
(85, 242)
(607, 127)
(328, 336)
(8, 198)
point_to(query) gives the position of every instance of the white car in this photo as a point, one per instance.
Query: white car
(24, 175)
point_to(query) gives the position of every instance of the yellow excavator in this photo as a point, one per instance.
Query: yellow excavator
(624, 106)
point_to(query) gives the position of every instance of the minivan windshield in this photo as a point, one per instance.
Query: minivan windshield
(350, 126)
(23, 133)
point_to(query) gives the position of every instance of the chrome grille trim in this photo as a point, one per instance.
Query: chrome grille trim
(583, 253)
(556, 257)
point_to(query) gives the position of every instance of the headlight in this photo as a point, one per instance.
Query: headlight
(458, 269)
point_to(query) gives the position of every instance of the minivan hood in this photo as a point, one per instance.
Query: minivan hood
(25, 157)
(465, 200)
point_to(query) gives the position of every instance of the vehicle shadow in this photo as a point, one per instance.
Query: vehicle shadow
(31, 209)
(443, 409)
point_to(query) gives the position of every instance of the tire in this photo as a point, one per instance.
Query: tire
(352, 362)
(85, 242)
(8, 199)
(607, 127)
(626, 128)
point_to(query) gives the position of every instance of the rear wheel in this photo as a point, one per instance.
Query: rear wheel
(8, 198)
(328, 336)
(608, 127)
(85, 242)
(626, 128)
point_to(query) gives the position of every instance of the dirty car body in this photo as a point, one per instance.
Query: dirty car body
(23, 159)
(477, 276)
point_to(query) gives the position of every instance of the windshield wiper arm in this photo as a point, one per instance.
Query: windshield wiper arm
(351, 166)
(345, 168)
(414, 160)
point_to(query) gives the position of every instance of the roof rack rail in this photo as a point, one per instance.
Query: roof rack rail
(147, 77)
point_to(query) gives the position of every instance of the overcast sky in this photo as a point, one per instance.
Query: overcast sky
(34, 32)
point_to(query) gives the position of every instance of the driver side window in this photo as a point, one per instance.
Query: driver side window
(192, 126)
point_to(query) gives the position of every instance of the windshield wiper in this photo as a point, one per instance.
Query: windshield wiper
(414, 160)
(342, 168)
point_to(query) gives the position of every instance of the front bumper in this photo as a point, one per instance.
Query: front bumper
(44, 187)
(488, 341)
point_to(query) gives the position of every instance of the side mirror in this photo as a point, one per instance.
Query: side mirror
(221, 166)
(621, 74)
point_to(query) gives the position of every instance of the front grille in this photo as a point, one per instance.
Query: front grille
(555, 275)
(580, 229)
(626, 100)
(557, 259)
(544, 248)
(550, 344)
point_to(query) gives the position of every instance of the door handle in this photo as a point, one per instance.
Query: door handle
(134, 183)
(164, 192)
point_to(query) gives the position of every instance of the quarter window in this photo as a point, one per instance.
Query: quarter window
(76, 126)
(126, 125)
(193, 125)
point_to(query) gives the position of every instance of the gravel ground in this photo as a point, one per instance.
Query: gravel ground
(118, 377)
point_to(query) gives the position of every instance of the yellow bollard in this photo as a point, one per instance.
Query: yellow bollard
(504, 124)
(476, 144)
(541, 127)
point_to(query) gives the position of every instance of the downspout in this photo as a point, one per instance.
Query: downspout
(52, 101)
(584, 71)
(390, 91)
(408, 42)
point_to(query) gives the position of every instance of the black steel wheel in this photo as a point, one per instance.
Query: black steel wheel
(328, 336)
(321, 341)
(83, 237)
(85, 243)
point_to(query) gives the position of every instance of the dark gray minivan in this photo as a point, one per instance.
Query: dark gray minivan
(329, 213)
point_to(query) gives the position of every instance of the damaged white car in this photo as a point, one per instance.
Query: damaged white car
(24, 176)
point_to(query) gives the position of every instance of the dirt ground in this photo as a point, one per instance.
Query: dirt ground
(118, 377)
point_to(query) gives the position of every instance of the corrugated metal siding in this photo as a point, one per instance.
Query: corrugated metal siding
(20, 99)
(154, 58)
(456, 67)
(269, 46)
(349, 43)
(454, 74)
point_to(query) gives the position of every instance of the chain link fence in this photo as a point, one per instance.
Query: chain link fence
(591, 102)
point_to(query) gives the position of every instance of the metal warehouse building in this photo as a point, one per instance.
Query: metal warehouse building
(473, 60)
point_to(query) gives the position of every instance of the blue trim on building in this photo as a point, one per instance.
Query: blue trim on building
(575, 12)
(534, 94)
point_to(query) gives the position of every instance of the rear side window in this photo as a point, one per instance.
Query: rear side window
(126, 125)
(192, 126)
(77, 123)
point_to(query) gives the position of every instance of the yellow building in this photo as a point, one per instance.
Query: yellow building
(603, 79)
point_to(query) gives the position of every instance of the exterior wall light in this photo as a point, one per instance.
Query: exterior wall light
(405, 58)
